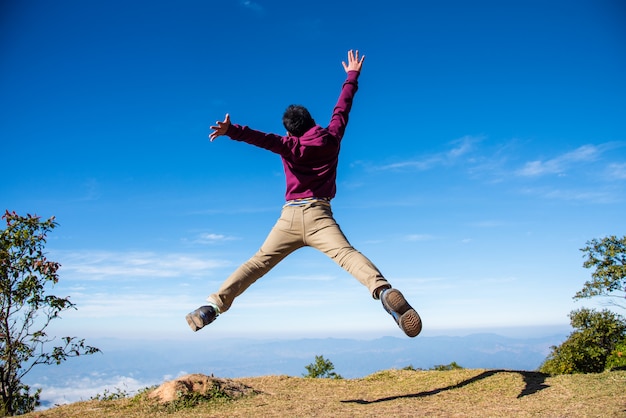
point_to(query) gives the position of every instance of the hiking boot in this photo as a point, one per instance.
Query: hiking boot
(406, 317)
(202, 316)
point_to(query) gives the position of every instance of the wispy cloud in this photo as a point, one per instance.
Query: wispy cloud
(466, 153)
(99, 265)
(559, 164)
(140, 304)
(588, 173)
(91, 190)
(459, 148)
(251, 5)
(463, 146)
(309, 278)
(419, 237)
(421, 164)
(87, 387)
(592, 196)
(211, 238)
(487, 224)
(617, 171)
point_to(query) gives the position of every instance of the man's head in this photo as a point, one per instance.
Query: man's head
(297, 120)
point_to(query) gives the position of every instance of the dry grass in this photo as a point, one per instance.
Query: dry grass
(398, 393)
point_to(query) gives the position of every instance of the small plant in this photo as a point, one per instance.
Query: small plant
(322, 368)
(410, 368)
(446, 367)
(193, 399)
(110, 396)
(183, 401)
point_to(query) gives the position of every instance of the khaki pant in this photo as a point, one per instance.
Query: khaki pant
(298, 226)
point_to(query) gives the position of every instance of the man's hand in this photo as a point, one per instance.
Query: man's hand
(220, 129)
(354, 63)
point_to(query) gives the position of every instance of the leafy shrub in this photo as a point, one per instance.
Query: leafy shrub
(192, 399)
(617, 359)
(184, 401)
(110, 396)
(446, 367)
(587, 349)
(322, 368)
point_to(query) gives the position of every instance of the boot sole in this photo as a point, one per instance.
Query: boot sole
(405, 316)
(195, 322)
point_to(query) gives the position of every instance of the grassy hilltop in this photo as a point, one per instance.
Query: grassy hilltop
(400, 393)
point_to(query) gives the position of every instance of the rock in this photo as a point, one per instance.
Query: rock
(200, 384)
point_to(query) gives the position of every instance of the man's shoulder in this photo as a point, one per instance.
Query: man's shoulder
(316, 133)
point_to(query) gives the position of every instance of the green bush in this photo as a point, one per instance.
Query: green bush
(321, 368)
(110, 396)
(587, 349)
(445, 367)
(617, 359)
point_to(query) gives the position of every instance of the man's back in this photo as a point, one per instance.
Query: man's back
(310, 161)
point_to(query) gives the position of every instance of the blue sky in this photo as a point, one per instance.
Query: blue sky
(486, 145)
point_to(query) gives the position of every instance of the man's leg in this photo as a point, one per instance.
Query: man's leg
(323, 233)
(284, 238)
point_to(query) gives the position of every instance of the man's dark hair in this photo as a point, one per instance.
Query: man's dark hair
(297, 120)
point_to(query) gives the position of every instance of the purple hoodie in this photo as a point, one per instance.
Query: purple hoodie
(310, 161)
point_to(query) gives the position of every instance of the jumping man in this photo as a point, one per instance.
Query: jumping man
(309, 155)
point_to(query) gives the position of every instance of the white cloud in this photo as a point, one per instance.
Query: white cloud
(113, 304)
(86, 388)
(593, 196)
(210, 238)
(309, 277)
(460, 148)
(421, 165)
(559, 164)
(251, 5)
(465, 145)
(617, 171)
(419, 237)
(92, 190)
(487, 224)
(99, 265)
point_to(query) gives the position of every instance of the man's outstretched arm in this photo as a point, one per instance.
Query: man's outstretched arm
(271, 142)
(339, 119)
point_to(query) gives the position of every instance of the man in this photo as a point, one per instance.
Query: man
(310, 155)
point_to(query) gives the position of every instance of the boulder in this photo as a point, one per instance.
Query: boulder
(200, 384)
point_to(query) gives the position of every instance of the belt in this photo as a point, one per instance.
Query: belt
(308, 200)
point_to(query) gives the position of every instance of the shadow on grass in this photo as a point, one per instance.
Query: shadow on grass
(534, 383)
